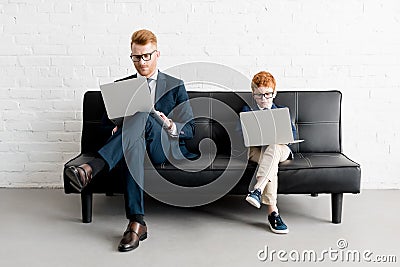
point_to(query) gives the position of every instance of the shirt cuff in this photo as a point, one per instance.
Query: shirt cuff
(173, 132)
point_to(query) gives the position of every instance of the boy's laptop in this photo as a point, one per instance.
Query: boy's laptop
(267, 127)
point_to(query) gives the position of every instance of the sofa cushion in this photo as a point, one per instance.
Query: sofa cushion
(319, 173)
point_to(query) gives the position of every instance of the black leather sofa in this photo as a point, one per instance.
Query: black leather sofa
(319, 166)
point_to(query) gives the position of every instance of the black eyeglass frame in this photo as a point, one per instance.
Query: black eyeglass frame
(266, 95)
(137, 58)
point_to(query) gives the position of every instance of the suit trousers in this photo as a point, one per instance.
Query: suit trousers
(268, 159)
(128, 145)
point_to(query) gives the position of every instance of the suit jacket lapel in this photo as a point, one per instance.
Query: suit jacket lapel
(160, 87)
(254, 107)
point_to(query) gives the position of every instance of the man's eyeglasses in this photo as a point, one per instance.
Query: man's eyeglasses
(145, 57)
(266, 95)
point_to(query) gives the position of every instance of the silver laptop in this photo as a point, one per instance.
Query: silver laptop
(267, 127)
(125, 98)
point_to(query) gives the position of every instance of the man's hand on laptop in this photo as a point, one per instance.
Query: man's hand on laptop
(114, 130)
(168, 123)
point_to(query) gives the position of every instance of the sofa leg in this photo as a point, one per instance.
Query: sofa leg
(337, 201)
(86, 202)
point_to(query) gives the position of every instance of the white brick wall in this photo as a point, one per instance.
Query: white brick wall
(51, 52)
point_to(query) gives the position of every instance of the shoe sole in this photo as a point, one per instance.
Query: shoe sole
(75, 187)
(278, 231)
(141, 238)
(253, 202)
(73, 176)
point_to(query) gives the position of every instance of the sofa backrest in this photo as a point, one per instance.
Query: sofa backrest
(94, 136)
(316, 115)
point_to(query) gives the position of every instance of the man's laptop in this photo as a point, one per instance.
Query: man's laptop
(267, 127)
(125, 98)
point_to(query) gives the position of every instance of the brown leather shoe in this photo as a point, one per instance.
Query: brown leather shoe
(79, 176)
(134, 233)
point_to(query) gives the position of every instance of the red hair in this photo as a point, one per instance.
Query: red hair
(263, 79)
(143, 37)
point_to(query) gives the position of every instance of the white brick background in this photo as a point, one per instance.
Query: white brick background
(51, 52)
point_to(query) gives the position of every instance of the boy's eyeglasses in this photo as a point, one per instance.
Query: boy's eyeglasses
(266, 95)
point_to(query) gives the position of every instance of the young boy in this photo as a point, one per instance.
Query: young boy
(268, 157)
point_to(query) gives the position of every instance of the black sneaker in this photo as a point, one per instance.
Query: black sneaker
(254, 198)
(276, 224)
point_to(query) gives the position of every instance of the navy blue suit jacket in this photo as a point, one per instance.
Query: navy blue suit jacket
(172, 99)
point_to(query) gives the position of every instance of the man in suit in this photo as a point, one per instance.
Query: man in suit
(141, 132)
